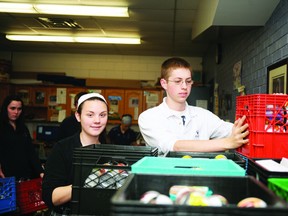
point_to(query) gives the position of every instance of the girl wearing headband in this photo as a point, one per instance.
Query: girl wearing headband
(92, 113)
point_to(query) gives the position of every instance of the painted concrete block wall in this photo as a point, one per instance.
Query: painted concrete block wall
(93, 66)
(257, 50)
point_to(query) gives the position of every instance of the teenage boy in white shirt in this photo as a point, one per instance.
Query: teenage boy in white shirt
(176, 126)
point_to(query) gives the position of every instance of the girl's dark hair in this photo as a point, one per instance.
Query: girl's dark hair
(77, 96)
(4, 120)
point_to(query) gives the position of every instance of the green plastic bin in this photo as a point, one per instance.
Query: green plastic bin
(164, 165)
(279, 186)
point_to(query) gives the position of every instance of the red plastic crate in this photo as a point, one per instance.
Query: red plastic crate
(267, 116)
(29, 196)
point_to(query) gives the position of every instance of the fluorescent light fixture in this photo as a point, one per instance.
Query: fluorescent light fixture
(48, 38)
(77, 10)
(82, 10)
(108, 40)
(40, 38)
(16, 8)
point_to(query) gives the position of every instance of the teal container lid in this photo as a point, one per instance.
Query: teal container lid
(182, 166)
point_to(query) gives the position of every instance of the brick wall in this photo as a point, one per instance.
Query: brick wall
(257, 49)
(93, 66)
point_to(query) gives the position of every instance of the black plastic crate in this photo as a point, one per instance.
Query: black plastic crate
(126, 200)
(261, 173)
(95, 200)
(232, 155)
(130, 154)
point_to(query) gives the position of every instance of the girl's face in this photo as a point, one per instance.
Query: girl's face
(14, 110)
(93, 117)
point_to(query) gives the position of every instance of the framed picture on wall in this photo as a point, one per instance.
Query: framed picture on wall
(277, 77)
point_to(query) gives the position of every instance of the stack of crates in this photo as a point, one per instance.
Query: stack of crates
(267, 116)
(96, 200)
(7, 195)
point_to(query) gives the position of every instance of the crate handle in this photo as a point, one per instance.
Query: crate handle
(189, 167)
(258, 145)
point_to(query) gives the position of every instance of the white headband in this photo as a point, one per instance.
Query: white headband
(90, 95)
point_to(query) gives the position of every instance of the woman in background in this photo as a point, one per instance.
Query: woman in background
(17, 154)
(92, 113)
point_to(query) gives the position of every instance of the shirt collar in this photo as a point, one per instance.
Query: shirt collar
(167, 112)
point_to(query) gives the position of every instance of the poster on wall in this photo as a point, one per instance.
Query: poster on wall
(61, 95)
(237, 75)
(151, 99)
(114, 103)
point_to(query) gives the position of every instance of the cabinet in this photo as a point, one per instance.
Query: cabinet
(53, 103)
(40, 101)
(35, 99)
(53, 106)
(116, 101)
(121, 101)
(71, 93)
(25, 93)
(131, 101)
(40, 96)
(4, 92)
(152, 98)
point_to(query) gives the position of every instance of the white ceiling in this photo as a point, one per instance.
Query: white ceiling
(166, 27)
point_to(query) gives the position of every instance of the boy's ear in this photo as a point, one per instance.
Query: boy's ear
(163, 83)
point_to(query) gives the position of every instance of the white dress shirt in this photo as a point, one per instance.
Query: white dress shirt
(161, 127)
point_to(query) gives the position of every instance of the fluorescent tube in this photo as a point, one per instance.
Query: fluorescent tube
(49, 38)
(77, 10)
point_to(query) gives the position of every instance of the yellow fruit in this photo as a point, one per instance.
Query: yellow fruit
(220, 156)
(187, 156)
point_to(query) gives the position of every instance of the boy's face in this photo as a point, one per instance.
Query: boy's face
(178, 85)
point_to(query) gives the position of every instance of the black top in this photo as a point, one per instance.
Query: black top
(68, 127)
(117, 137)
(17, 154)
(59, 169)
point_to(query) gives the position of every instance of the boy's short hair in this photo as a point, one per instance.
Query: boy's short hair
(173, 63)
